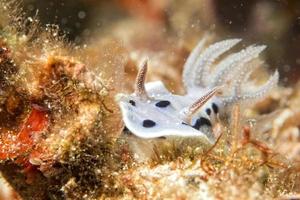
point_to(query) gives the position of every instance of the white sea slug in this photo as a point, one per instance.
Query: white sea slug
(154, 112)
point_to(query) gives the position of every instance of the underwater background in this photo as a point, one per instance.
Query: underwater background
(63, 62)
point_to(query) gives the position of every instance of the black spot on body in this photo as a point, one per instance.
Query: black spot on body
(147, 123)
(208, 111)
(162, 137)
(132, 102)
(126, 131)
(184, 123)
(215, 108)
(201, 122)
(162, 104)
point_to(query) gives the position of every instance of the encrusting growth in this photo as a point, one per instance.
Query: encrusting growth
(58, 119)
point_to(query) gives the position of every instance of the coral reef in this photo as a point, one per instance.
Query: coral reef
(61, 131)
(57, 105)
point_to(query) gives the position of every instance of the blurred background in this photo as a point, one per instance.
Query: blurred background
(149, 23)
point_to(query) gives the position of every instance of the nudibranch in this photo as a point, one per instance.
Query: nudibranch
(154, 112)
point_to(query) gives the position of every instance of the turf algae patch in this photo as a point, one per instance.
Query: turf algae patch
(60, 123)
